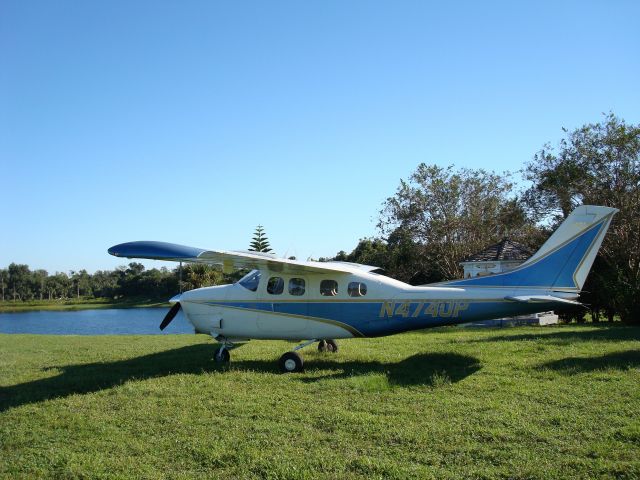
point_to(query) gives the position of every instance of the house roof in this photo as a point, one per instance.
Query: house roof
(503, 250)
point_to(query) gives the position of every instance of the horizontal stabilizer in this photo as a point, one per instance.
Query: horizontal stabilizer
(543, 299)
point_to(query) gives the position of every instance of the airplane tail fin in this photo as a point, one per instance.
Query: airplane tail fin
(564, 261)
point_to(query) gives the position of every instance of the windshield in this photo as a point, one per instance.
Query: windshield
(251, 280)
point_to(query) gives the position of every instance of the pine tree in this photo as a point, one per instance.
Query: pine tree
(260, 242)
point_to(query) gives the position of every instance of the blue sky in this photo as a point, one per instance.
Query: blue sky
(192, 122)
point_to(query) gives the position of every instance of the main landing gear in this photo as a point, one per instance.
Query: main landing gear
(292, 361)
(289, 362)
(328, 346)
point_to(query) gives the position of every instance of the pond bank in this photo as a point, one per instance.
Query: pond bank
(81, 304)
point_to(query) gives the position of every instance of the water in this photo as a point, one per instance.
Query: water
(121, 321)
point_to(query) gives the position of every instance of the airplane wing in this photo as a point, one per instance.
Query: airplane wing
(543, 299)
(229, 260)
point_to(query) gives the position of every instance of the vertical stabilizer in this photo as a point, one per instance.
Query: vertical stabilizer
(564, 261)
(589, 222)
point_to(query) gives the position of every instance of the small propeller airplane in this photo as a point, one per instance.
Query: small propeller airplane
(322, 301)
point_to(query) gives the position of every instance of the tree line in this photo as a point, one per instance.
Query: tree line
(439, 216)
(19, 283)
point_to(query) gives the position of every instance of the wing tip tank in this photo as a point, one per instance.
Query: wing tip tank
(154, 250)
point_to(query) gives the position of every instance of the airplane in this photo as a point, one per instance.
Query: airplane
(322, 301)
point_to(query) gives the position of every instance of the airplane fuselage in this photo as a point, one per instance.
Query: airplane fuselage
(360, 305)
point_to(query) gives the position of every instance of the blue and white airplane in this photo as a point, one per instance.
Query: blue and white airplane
(322, 301)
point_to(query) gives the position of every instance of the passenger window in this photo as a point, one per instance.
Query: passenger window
(275, 286)
(296, 286)
(357, 289)
(328, 288)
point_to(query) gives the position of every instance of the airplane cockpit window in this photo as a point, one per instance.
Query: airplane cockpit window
(251, 280)
(296, 286)
(328, 288)
(357, 289)
(275, 286)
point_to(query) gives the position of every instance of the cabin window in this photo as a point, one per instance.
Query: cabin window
(251, 280)
(275, 286)
(296, 286)
(328, 288)
(357, 289)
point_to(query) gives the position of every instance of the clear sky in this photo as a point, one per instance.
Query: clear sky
(192, 122)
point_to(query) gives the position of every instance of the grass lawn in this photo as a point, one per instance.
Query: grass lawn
(535, 402)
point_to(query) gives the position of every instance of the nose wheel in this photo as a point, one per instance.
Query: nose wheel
(222, 355)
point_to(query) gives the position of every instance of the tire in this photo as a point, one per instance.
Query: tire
(332, 346)
(222, 355)
(291, 362)
(322, 346)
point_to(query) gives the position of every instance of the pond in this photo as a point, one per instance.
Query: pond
(119, 321)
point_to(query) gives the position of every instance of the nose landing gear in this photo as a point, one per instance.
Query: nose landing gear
(222, 355)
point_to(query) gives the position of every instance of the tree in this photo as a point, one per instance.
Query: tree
(38, 279)
(398, 259)
(81, 281)
(598, 164)
(439, 216)
(260, 242)
(19, 281)
(58, 285)
(369, 251)
(4, 275)
(198, 275)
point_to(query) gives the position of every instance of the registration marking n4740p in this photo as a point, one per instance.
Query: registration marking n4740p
(406, 309)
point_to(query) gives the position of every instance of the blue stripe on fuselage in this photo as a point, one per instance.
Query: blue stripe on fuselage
(374, 319)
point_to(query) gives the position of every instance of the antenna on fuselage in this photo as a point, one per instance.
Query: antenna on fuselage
(286, 255)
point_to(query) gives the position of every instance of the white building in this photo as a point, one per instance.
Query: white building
(501, 257)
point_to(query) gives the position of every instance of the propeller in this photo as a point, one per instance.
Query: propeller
(170, 315)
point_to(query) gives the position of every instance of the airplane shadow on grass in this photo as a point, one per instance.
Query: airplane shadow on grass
(625, 360)
(421, 369)
(585, 334)
(424, 369)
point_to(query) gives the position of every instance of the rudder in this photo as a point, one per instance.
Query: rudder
(564, 261)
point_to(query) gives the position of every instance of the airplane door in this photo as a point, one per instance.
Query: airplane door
(285, 308)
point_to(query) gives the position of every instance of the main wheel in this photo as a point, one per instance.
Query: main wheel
(222, 355)
(332, 346)
(291, 362)
(322, 346)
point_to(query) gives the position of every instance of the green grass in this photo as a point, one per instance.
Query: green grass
(552, 402)
(79, 304)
